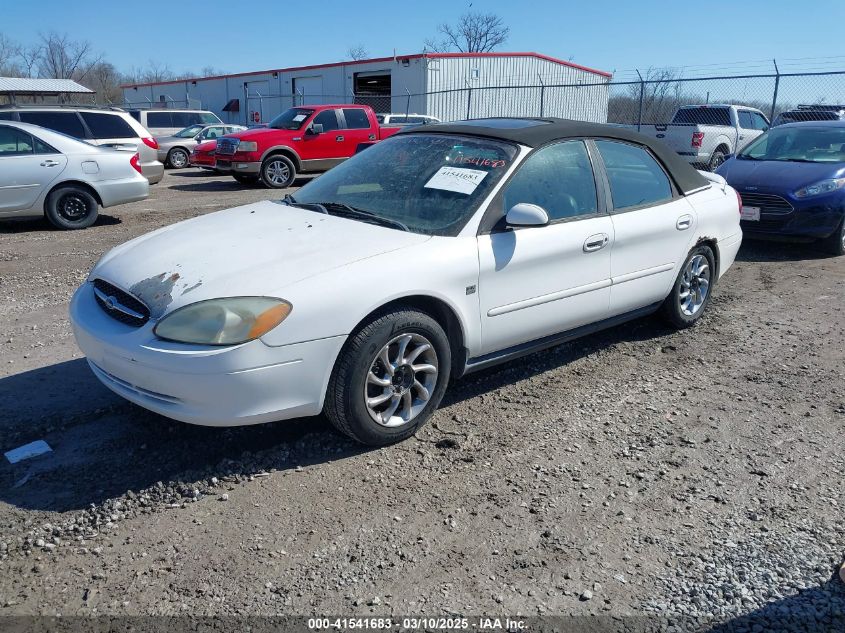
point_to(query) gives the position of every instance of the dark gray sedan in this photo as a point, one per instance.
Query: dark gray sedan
(174, 150)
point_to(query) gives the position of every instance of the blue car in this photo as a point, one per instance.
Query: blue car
(792, 183)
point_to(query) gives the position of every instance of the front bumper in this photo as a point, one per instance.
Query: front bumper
(226, 165)
(804, 223)
(210, 386)
(201, 160)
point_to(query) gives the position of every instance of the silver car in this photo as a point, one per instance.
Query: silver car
(174, 150)
(104, 126)
(43, 172)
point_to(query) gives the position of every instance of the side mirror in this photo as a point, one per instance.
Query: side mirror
(199, 137)
(315, 128)
(525, 214)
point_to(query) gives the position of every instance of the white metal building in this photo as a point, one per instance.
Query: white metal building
(449, 86)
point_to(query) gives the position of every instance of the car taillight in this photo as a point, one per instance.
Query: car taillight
(150, 142)
(135, 161)
(697, 138)
(738, 201)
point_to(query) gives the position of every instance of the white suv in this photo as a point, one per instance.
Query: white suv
(102, 126)
(167, 122)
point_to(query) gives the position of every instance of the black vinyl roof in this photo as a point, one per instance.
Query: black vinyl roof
(538, 132)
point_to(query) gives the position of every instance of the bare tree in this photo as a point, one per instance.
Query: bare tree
(156, 71)
(104, 79)
(63, 58)
(8, 56)
(356, 53)
(475, 32)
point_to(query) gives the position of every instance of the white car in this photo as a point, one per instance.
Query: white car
(439, 251)
(47, 173)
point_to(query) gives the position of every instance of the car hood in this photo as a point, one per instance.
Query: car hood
(254, 250)
(171, 140)
(258, 132)
(776, 176)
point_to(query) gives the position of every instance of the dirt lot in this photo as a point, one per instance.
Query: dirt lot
(636, 471)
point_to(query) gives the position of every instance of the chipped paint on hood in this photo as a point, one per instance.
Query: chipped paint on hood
(156, 292)
(255, 250)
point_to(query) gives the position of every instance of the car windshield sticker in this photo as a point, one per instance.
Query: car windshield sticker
(456, 179)
(299, 117)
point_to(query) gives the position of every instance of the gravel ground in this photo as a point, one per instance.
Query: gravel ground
(639, 471)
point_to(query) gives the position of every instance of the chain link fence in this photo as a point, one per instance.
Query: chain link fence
(652, 99)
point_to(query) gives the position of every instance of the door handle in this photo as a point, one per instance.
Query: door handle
(596, 242)
(684, 222)
(338, 138)
(49, 163)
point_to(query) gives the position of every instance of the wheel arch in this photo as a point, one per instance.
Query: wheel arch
(440, 311)
(713, 244)
(75, 183)
(285, 151)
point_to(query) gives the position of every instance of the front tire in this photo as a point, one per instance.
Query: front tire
(389, 378)
(835, 244)
(177, 158)
(278, 172)
(693, 287)
(71, 207)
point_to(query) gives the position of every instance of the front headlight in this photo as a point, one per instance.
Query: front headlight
(247, 146)
(227, 321)
(823, 186)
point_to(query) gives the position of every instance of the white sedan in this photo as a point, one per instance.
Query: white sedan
(45, 173)
(442, 250)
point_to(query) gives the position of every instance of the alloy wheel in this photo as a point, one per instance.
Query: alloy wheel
(695, 285)
(400, 380)
(277, 172)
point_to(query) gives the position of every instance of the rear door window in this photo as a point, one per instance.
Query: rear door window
(107, 125)
(161, 119)
(636, 178)
(208, 117)
(14, 142)
(64, 122)
(356, 118)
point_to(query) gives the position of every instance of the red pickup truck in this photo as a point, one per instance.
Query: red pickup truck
(311, 138)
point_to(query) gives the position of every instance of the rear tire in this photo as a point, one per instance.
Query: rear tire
(177, 158)
(835, 244)
(389, 378)
(691, 292)
(278, 172)
(716, 159)
(71, 207)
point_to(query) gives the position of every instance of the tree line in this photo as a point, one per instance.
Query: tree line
(57, 56)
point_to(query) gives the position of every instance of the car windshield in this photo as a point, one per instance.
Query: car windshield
(292, 119)
(798, 144)
(428, 183)
(190, 131)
